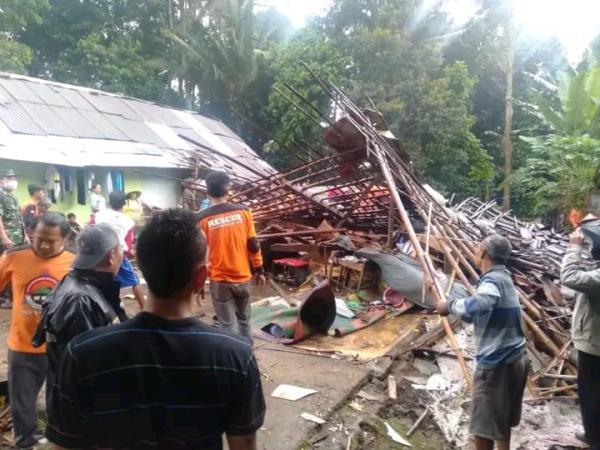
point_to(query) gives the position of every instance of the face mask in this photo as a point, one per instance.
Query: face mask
(11, 185)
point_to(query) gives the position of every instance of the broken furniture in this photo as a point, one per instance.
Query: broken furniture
(293, 271)
(347, 274)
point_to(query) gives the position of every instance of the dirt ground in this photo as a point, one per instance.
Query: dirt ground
(353, 399)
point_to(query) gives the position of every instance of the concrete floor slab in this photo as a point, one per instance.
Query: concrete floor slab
(335, 380)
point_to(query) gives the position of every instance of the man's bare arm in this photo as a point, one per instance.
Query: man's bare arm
(244, 442)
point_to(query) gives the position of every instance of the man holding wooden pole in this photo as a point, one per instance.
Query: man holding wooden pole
(502, 363)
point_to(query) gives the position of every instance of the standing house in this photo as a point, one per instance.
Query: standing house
(65, 137)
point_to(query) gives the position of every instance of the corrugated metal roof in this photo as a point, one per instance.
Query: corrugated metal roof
(77, 126)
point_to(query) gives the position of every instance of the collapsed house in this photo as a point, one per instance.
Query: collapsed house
(361, 202)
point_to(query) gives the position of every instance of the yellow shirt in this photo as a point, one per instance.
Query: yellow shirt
(32, 278)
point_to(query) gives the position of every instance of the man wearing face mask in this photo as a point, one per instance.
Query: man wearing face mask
(12, 229)
(33, 272)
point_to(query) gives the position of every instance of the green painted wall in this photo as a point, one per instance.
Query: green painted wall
(30, 172)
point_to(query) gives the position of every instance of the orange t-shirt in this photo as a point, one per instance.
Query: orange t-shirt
(232, 244)
(32, 278)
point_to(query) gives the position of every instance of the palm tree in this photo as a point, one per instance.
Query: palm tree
(220, 54)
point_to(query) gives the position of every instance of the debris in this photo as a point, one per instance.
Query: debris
(365, 189)
(369, 397)
(342, 309)
(395, 436)
(392, 388)
(420, 381)
(426, 368)
(418, 422)
(281, 292)
(356, 406)
(292, 393)
(311, 418)
(437, 382)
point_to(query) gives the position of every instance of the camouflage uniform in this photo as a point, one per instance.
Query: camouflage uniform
(10, 214)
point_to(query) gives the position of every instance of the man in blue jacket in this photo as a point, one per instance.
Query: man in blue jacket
(502, 364)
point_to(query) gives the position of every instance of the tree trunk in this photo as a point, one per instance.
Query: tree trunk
(506, 142)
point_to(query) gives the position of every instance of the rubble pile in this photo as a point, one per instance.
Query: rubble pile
(538, 248)
(363, 193)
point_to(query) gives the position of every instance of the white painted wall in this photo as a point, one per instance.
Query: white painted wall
(161, 192)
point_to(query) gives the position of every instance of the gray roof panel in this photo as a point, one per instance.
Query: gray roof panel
(49, 95)
(106, 128)
(5, 97)
(136, 131)
(80, 125)
(216, 127)
(149, 112)
(191, 134)
(75, 99)
(18, 121)
(111, 105)
(48, 120)
(37, 107)
(20, 90)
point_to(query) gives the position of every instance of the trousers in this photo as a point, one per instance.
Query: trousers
(232, 306)
(26, 375)
(588, 381)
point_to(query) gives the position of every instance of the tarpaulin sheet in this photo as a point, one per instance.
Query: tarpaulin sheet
(290, 325)
(404, 275)
(317, 314)
(280, 323)
(343, 326)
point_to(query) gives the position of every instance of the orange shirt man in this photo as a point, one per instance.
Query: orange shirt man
(33, 272)
(233, 255)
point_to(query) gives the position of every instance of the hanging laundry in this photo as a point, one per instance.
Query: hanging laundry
(81, 189)
(117, 179)
(109, 183)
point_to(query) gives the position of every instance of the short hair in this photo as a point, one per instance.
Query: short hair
(169, 250)
(33, 188)
(217, 184)
(45, 202)
(71, 216)
(94, 186)
(117, 199)
(55, 219)
(498, 248)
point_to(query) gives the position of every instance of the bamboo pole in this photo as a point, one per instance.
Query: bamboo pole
(426, 265)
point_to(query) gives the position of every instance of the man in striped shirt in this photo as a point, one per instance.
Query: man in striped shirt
(502, 363)
(162, 380)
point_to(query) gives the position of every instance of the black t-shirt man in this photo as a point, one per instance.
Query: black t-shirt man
(156, 383)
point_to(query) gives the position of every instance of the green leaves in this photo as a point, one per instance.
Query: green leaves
(559, 174)
(292, 128)
(579, 96)
(14, 56)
